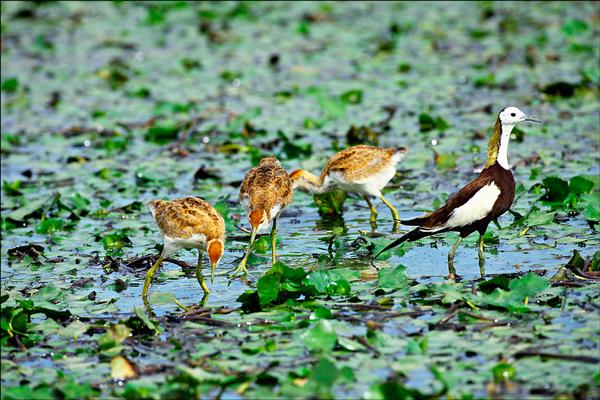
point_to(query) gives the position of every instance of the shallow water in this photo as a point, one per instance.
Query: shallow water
(290, 79)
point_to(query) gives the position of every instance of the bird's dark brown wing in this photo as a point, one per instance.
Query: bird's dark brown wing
(437, 219)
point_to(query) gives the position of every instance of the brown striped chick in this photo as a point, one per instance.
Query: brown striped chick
(265, 192)
(365, 170)
(187, 223)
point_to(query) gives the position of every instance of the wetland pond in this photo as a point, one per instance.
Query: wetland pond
(107, 105)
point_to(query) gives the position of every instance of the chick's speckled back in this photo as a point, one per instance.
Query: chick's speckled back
(358, 163)
(188, 216)
(266, 186)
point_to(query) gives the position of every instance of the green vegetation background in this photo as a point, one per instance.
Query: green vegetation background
(106, 105)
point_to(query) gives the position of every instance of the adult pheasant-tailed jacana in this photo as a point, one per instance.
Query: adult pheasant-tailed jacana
(365, 170)
(189, 222)
(481, 201)
(266, 190)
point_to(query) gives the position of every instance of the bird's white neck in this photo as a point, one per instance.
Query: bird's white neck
(503, 147)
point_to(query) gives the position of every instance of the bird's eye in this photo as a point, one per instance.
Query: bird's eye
(513, 114)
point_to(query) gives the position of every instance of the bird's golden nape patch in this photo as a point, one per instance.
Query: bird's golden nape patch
(256, 217)
(215, 250)
(494, 144)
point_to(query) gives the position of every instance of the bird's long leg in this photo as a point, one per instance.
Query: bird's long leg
(481, 257)
(149, 276)
(274, 241)
(242, 267)
(373, 218)
(451, 270)
(148, 307)
(395, 213)
(204, 299)
(199, 274)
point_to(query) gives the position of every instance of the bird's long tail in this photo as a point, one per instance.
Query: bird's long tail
(411, 236)
(415, 221)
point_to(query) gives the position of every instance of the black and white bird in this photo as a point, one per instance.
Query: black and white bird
(481, 201)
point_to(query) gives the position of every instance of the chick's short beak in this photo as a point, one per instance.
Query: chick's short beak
(253, 233)
(532, 118)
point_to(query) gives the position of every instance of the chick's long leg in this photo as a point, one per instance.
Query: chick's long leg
(395, 213)
(274, 241)
(242, 267)
(149, 276)
(373, 218)
(199, 274)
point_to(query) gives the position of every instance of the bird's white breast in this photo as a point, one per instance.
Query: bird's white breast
(477, 208)
(374, 183)
(370, 185)
(337, 179)
(275, 211)
(171, 244)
